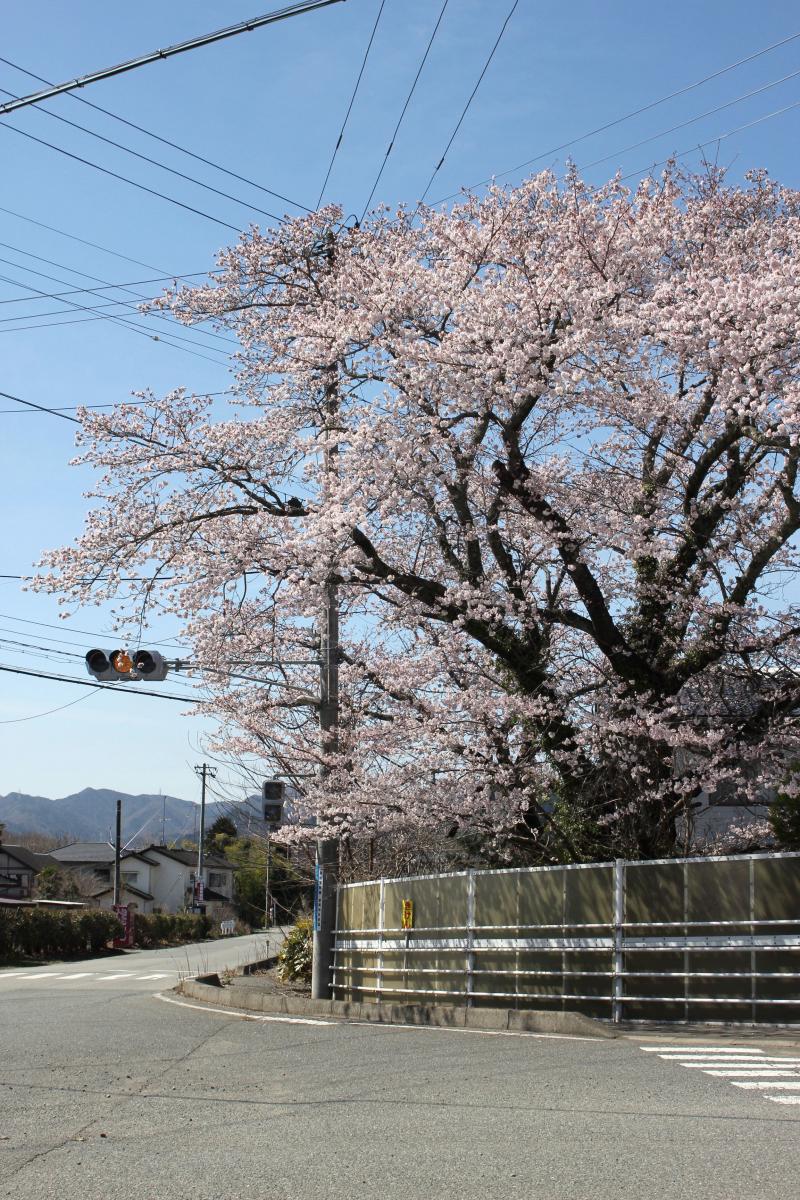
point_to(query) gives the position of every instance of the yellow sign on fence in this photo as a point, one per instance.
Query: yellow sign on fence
(407, 914)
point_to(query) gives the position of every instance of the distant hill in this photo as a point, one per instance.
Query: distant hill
(90, 815)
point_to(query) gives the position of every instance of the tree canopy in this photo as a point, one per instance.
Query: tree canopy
(544, 446)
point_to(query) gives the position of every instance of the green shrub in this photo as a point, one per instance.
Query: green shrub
(169, 929)
(46, 933)
(294, 959)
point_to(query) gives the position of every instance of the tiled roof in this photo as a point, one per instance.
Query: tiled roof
(189, 858)
(28, 858)
(85, 852)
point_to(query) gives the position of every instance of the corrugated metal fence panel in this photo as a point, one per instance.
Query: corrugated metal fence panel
(692, 939)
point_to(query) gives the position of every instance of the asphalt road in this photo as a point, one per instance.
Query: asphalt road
(107, 1091)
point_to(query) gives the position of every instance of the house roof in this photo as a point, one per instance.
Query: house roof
(189, 858)
(124, 887)
(94, 852)
(85, 852)
(28, 858)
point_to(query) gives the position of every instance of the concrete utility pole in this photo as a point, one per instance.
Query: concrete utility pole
(204, 771)
(327, 863)
(117, 854)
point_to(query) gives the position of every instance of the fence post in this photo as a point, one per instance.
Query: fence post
(751, 880)
(619, 962)
(470, 935)
(381, 923)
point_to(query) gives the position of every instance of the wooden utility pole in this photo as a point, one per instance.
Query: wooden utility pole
(204, 771)
(118, 854)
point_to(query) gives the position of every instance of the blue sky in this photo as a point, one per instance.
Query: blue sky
(269, 105)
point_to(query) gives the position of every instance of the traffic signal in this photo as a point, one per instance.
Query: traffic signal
(120, 664)
(272, 796)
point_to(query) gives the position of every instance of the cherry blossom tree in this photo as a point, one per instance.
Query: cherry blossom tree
(543, 448)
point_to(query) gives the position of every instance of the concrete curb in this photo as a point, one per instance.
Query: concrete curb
(208, 989)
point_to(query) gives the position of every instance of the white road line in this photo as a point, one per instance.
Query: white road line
(235, 1012)
(764, 1074)
(795, 1086)
(783, 1099)
(387, 1027)
(163, 975)
(42, 975)
(123, 975)
(769, 1059)
(700, 1049)
(78, 975)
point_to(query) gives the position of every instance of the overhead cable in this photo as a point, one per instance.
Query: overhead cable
(83, 241)
(469, 102)
(350, 105)
(636, 112)
(41, 407)
(154, 162)
(164, 141)
(208, 333)
(293, 10)
(691, 121)
(87, 162)
(713, 141)
(123, 322)
(405, 107)
(104, 687)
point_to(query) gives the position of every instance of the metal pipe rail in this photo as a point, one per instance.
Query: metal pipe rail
(428, 961)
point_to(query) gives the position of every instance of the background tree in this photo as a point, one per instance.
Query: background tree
(545, 447)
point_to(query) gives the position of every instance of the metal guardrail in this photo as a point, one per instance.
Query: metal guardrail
(535, 964)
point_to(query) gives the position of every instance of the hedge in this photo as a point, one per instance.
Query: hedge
(44, 933)
(167, 929)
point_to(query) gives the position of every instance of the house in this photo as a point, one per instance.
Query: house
(18, 870)
(95, 861)
(174, 880)
(157, 879)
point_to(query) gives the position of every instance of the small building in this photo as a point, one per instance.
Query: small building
(173, 882)
(18, 870)
(95, 861)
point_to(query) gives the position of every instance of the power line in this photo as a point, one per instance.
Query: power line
(104, 687)
(74, 408)
(165, 141)
(469, 102)
(129, 283)
(168, 52)
(682, 124)
(48, 713)
(350, 105)
(70, 628)
(124, 322)
(41, 407)
(405, 107)
(83, 241)
(720, 137)
(153, 161)
(105, 285)
(628, 116)
(123, 178)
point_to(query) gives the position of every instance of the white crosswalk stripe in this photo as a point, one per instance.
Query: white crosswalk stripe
(749, 1067)
(95, 976)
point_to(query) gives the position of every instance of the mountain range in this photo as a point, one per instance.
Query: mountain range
(90, 815)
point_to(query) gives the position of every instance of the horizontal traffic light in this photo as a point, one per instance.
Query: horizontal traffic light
(121, 664)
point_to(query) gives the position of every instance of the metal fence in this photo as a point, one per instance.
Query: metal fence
(668, 940)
